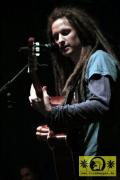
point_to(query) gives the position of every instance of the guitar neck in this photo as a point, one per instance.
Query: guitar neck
(33, 68)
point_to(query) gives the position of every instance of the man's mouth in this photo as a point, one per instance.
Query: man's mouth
(64, 47)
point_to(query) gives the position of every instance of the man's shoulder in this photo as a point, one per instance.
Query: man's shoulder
(101, 62)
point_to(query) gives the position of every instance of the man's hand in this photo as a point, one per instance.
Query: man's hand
(43, 132)
(42, 105)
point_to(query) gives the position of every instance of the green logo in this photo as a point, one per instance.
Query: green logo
(97, 165)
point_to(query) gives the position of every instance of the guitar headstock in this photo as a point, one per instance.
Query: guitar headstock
(33, 53)
(34, 46)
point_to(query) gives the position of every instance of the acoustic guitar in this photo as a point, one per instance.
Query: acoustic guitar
(62, 155)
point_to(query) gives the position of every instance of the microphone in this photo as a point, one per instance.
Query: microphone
(38, 45)
(47, 45)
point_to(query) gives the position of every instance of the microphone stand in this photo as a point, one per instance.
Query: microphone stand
(6, 85)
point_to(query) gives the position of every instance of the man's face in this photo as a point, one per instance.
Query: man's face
(65, 37)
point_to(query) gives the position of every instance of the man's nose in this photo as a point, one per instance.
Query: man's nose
(61, 39)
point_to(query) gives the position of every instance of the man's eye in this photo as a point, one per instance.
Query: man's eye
(55, 37)
(65, 32)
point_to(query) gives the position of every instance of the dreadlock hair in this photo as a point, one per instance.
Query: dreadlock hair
(91, 39)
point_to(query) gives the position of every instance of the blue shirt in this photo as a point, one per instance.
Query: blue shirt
(103, 64)
(88, 116)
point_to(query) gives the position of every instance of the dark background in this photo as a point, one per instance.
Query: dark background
(21, 20)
